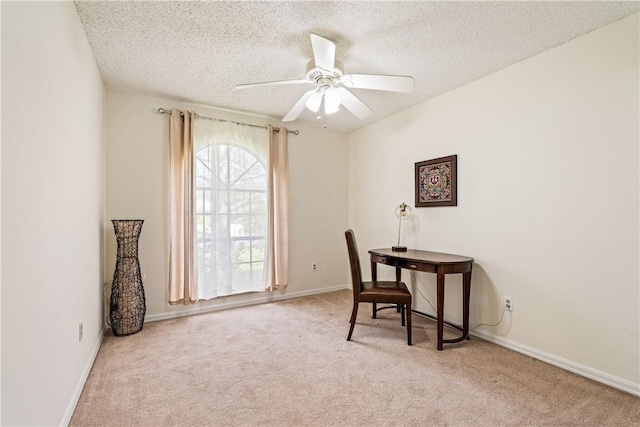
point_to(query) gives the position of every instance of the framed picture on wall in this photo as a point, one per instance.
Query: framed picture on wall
(436, 182)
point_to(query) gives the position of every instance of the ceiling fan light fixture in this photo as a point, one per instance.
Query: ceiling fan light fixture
(330, 109)
(314, 102)
(331, 101)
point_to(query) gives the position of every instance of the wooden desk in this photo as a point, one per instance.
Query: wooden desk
(431, 262)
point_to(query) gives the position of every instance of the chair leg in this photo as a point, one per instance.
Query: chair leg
(354, 313)
(401, 306)
(408, 323)
(374, 314)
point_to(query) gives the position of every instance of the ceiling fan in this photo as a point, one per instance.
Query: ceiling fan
(327, 74)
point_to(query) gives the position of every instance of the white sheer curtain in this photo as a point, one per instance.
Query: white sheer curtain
(255, 139)
(231, 207)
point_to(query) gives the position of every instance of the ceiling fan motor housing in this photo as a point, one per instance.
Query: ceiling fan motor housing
(320, 75)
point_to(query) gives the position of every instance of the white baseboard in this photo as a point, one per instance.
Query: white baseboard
(263, 298)
(585, 371)
(83, 379)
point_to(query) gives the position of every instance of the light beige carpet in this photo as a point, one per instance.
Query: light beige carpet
(289, 364)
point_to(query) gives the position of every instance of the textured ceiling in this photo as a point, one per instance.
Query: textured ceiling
(199, 51)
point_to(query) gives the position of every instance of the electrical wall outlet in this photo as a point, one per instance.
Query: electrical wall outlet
(508, 303)
(80, 331)
(314, 267)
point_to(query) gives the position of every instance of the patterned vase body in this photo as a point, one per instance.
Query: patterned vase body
(127, 307)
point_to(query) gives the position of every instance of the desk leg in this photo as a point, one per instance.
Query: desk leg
(398, 278)
(440, 306)
(374, 278)
(466, 290)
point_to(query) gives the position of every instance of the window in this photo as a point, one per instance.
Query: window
(231, 215)
(221, 235)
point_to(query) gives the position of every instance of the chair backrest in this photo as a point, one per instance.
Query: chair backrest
(354, 262)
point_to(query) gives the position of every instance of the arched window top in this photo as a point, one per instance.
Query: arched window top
(253, 140)
(232, 166)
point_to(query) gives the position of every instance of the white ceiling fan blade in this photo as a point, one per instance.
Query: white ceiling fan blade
(353, 104)
(299, 107)
(274, 83)
(324, 52)
(378, 82)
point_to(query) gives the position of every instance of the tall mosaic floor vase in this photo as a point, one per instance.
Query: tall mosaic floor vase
(126, 314)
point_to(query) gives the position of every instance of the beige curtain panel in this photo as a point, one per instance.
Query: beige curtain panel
(183, 287)
(278, 204)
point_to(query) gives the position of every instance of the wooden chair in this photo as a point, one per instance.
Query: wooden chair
(375, 292)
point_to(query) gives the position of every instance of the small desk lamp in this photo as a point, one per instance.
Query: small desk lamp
(403, 212)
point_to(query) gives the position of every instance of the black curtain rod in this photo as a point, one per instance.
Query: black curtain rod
(165, 111)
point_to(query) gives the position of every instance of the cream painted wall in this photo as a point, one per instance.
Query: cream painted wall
(53, 138)
(548, 200)
(137, 187)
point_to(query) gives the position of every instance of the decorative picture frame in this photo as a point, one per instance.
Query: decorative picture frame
(436, 182)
